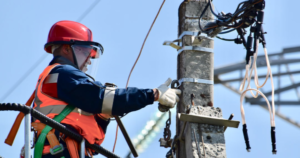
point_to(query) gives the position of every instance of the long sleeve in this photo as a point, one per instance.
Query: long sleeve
(74, 87)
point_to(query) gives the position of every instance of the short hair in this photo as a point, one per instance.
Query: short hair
(55, 49)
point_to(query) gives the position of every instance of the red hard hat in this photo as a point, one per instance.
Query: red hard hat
(66, 32)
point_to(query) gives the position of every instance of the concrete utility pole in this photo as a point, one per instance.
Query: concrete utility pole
(195, 70)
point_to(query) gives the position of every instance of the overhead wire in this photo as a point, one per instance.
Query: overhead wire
(138, 59)
(144, 43)
(225, 39)
(88, 10)
(22, 78)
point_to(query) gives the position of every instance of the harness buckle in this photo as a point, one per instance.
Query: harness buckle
(57, 149)
(110, 85)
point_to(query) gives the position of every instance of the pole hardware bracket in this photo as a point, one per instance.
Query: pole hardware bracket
(196, 48)
(208, 120)
(196, 40)
(195, 80)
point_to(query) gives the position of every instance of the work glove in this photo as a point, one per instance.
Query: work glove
(168, 96)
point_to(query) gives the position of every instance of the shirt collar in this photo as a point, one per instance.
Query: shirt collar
(62, 60)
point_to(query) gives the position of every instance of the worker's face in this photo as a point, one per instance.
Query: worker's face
(83, 56)
(86, 63)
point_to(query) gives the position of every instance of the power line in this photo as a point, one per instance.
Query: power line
(88, 10)
(22, 78)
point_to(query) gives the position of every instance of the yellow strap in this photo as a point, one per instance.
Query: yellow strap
(14, 129)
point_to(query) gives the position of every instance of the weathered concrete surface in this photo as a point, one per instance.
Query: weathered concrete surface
(196, 64)
(210, 138)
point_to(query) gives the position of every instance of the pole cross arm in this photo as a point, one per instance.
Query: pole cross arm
(260, 63)
(208, 120)
(263, 103)
(260, 76)
(278, 91)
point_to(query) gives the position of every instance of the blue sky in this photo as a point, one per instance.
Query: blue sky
(120, 26)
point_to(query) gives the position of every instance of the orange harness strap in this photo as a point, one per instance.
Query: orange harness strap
(72, 146)
(14, 129)
(53, 141)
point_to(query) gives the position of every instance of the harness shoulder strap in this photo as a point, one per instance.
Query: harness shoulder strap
(14, 129)
(38, 150)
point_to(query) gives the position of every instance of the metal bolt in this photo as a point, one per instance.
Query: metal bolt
(192, 99)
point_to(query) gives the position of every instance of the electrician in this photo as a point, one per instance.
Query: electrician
(64, 83)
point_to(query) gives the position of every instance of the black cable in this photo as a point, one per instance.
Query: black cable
(242, 32)
(249, 47)
(226, 20)
(245, 132)
(240, 5)
(224, 32)
(42, 58)
(246, 7)
(273, 138)
(211, 9)
(201, 18)
(237, 13)
(225, 39)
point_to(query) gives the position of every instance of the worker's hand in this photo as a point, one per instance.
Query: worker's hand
(167, 96)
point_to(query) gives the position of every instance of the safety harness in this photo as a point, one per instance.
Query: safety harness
(56, 147)
(45, 131)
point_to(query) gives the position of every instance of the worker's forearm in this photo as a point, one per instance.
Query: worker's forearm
(131, 99)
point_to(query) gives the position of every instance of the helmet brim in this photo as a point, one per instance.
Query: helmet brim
(48, 45)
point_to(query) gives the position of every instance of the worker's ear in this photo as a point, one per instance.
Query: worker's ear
(66, 49)
(66, 52)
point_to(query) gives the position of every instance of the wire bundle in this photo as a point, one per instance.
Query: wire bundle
(243, 17)
(248, 88)
(246, 15)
